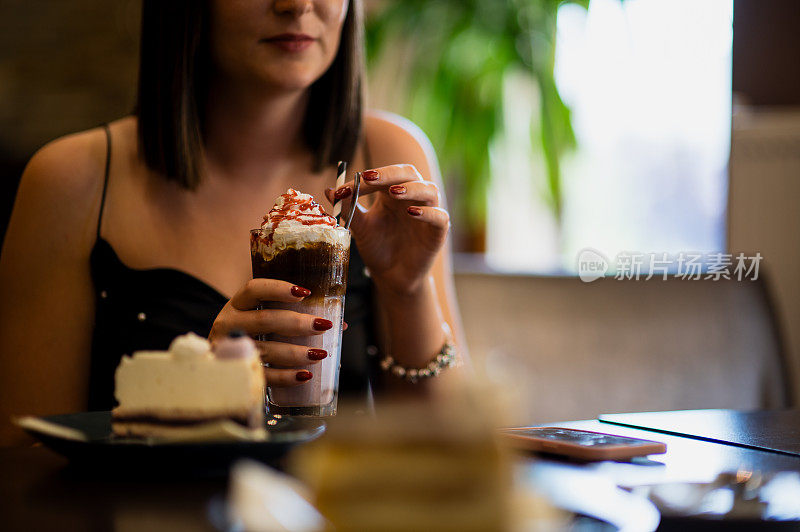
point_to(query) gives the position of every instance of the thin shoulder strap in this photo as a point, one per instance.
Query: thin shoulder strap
(105, 177)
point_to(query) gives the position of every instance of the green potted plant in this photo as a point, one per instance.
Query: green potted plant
(454, 56)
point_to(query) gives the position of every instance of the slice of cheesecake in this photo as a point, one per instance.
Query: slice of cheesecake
(164, 393)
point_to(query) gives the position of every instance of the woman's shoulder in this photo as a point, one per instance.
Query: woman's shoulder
(70, 169)
(73, 164)
(61, 187)
(68, 162)
(393, 139)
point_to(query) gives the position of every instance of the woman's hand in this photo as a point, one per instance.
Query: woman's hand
(404, 229)
(240, 313)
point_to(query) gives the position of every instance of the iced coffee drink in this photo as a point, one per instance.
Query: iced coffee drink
(299, 243)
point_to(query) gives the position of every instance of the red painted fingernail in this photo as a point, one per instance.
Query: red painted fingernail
(321, 324)
(414, 211)
(303, 375)
(299, 291)
(317, 354)
(370, 175)
(342, 193)
(344, 326)
(397, 189)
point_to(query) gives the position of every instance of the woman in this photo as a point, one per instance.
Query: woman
(123, 237)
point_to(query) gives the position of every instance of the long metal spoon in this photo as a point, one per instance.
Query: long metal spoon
(356, 189)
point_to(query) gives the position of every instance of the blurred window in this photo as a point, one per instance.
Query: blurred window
(649, 86)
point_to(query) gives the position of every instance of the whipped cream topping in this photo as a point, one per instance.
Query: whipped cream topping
(296, 220)
(296, 208)
(189, 346)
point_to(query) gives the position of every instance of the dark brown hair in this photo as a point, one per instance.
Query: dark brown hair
(173, 82)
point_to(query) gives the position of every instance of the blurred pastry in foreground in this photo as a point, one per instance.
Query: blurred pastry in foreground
(415, 466)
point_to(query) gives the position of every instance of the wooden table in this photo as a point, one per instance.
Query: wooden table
(39, 492)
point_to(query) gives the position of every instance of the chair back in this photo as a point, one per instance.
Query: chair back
(573, 350)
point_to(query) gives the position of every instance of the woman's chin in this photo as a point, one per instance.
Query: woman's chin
(289, 80)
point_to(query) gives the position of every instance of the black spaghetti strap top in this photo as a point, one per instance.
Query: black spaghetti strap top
(144, 309)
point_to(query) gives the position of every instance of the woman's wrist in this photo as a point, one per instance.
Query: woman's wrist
(414, 328)
(406, 293)
(445, 358)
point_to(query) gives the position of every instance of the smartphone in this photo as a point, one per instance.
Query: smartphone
(581, 444)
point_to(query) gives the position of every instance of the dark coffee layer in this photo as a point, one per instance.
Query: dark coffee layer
(320, 267)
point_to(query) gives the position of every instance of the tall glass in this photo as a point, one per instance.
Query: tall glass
(322, 268)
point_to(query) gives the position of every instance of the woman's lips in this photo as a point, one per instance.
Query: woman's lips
(291, 42)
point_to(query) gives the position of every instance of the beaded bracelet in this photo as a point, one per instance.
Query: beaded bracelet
(446, 358)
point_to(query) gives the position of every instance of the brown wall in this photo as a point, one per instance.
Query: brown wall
(766, 51)
(765, 154)
(64, 66)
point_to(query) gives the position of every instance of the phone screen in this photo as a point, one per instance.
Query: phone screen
(578, 437)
